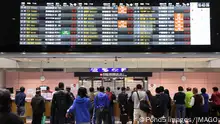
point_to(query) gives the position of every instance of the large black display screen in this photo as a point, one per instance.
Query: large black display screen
(54, 23)
(110, 26)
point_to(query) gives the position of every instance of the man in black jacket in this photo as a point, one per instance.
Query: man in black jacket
(123, 104)
(6, 117)
(60, 103)
(38, 107)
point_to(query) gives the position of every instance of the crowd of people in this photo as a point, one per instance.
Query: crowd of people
(97, 107)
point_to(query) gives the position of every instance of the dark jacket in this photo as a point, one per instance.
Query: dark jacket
(180, 98)
(38, 104)
(20, 99)
(60, 103)
(123, 102)
(10, 118)
(197, 107)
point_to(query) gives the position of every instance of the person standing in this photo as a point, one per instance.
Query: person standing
(111, 97)
(123, 105)
(80, 107)
(60, 103)
(165, 98)
(48, 90)
(179, 99)
(38, 107)
(215, 98)
(71, 119)
(131, 106)
(197, 102)
(166, 91)
(20, 102)
(6, 116)
(101, 104)
(205, 109)
(137, 97)
(189, 95)
(157, 104)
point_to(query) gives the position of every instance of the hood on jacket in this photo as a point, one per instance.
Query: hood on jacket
(81, 100)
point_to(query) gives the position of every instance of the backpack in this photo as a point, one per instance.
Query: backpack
(157, 106)
(123, 102)
(111, 97)
(144, 106)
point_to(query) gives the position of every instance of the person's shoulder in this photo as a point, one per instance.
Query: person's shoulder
(15, 119)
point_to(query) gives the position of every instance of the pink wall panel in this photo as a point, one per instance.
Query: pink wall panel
(32, 79)
(171, 80)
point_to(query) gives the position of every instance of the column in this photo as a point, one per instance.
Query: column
(2, 79)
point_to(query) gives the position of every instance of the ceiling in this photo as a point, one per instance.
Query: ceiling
(113, 59)
(110, 55)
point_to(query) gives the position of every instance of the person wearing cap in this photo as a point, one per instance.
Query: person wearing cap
(38, 107)
(6, 116)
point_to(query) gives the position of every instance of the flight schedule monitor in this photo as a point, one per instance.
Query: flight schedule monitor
(80, 24)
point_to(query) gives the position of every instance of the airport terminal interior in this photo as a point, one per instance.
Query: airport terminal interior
(110, 62)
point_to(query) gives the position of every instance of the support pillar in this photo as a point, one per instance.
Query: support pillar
(2, 79)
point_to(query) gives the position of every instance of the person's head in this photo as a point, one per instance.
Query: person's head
(123, 89)
(166, 91)
(157, 90)
(195, 91)
(82, 92)
(22, 89)
(61, 86)
(56, 88)
(180, 88)
(134, 89)
(161, 89)
(48, 88)
(91, 89)
(215, 89)
(68, 89)
(118, 88)
(108, 89)
(98, 88)
(38, 91)
(139, 87)
(149, 94)
(203, 90)
(188, 89)
(5, 101)
(128, 88)
(102, 89)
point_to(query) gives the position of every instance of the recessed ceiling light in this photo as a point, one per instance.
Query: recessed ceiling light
(2, 52)
(23, 53)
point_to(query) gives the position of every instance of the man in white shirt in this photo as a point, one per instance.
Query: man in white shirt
(137, 97)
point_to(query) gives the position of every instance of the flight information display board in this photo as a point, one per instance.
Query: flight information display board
(115, 24)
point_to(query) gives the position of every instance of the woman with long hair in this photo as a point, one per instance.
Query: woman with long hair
(166, 91)
(80, 107)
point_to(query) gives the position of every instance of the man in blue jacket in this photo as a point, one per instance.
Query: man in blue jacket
(101, 104)
(20, 102)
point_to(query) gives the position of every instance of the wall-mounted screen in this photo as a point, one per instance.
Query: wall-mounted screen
(54, 23)
(111, 26)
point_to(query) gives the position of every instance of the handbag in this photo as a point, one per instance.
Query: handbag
(144, 106)
(43, 120)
